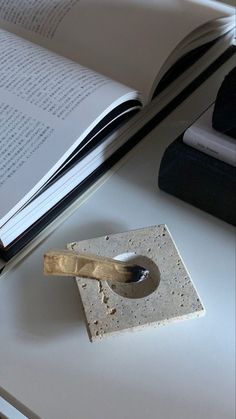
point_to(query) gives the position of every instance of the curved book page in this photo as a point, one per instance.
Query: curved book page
(48, 106)
(92, 153)
(132, 41)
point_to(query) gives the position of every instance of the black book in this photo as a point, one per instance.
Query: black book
(201, 180)
(224, 115)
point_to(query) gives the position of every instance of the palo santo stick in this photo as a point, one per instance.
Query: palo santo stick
(69, 263)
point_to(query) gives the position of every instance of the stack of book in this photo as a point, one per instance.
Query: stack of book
(200, 166)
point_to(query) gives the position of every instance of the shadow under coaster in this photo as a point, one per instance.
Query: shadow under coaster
(167, 295)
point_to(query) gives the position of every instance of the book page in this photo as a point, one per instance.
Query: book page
(48, 104)
(127, 40)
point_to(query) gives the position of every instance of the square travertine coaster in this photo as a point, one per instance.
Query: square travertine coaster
(167, 295)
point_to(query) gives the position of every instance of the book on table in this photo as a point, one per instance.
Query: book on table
(203, 181)
(199, 167)
(202, 136)
(78, 80)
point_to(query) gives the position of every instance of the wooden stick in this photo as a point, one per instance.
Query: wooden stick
(69, 263)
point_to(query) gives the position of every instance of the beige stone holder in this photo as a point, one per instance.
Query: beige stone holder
(167, 295)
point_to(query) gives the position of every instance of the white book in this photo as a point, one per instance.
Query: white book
(204, 138)
(72, 71)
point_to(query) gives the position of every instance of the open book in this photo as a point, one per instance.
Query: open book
(78, 79)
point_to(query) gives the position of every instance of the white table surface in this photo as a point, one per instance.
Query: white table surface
(48, 367)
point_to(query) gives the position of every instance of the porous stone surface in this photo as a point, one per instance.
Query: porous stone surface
(166, 296)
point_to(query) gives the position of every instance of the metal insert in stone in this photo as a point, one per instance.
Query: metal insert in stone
(167, 295)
